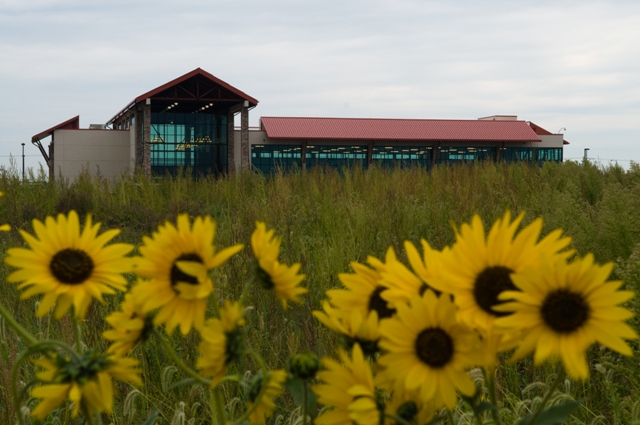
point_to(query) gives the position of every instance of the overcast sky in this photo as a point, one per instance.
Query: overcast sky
(560, 64)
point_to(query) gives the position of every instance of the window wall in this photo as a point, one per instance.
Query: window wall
(189, 141)
(275, 158)
(462, 154)
(402, 156)
(336, 156)
(271, 158)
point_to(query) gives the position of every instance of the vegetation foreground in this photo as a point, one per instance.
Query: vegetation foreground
(428, 281)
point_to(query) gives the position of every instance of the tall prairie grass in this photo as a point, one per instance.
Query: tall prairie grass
(327, 219)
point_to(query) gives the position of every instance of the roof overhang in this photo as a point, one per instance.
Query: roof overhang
(70, 124)
(206, 89)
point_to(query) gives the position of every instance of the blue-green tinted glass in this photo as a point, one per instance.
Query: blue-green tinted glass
(189, 141)
(402, 156)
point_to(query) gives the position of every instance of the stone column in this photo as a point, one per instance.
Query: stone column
(231, 144)
(303, 156)
(245, 160)
(146, 141)
(139, 124)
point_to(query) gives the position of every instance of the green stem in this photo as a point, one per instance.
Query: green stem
(178, 361)
(258, 359)
(491, 383)
(559, 377)
(77, 333)
(217, 404)
(263, 385)
(305, 388)
(245, 290)
(22, 332)
(214, 296)
(87, 415)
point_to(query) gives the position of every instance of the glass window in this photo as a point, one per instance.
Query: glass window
(194, 141)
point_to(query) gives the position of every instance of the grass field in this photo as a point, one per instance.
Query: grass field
(328, 219)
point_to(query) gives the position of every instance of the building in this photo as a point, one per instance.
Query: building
(188, 123)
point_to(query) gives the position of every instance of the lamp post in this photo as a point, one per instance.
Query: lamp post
(23, 162)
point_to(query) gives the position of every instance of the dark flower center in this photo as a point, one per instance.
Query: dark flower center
(264, 278)
(178, 275)
(407, 411)
(565, 311)
(71, 266)
(490, 283)
(379, 305)
(234, 346)
(434, 347)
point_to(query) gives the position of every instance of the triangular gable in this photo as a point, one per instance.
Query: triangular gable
(197, 85)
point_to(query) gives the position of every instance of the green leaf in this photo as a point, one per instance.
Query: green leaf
(296, 387)
(554, 415)
(152, 418)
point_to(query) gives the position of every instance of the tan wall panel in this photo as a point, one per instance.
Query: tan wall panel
(107, 152)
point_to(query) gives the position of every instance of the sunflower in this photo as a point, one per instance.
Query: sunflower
(565, 308)
(175, 263)
(221, 342)
(272, 274)
(428, 351)
(353, 327)
(478, 268)
(130, 325)
(86, 382)
(348, 387)
(265, 406)
(401, 283)
(363, 289)
(410, 407)
(69, 266)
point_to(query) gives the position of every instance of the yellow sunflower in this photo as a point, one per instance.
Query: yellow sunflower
(349, 389)
(353, 327)
(130, 325)
(221, 342)
(563, 309)
(363, 289)
(401, 283)
(265, 407)
(85, 382)
(175, 263)
(410, 407)
(478, 268)
(67, 265)
(272, 274)
(428, 350)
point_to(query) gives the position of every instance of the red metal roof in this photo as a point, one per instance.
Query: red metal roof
(197, 71)
(70, 124)
(397, 129)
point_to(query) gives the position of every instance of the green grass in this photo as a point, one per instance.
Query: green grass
(328, 219)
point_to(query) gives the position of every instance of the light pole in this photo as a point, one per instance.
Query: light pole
(23, 162)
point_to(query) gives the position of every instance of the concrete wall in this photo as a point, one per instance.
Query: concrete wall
(104, 152)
